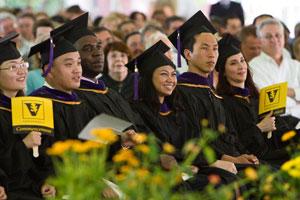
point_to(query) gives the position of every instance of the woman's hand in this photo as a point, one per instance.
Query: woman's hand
(33, 139)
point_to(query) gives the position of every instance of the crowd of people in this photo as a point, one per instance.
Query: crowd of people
(164, 74)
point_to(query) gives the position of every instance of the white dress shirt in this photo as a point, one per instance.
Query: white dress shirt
(266, 71)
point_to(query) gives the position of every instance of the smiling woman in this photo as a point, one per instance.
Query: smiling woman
(15, 154)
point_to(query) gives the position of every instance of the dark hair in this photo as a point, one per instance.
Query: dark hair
(246, 32)
(115, 46)
(97, 21)
(135, 13)
(232, 16)
(261, 16)
(28, 15)
(41, 23)
(59, 19)
(171, 19)
(148, 94)
(131, 34)
(224, 87)
(74, 9)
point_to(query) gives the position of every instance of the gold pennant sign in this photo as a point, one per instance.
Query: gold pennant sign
(273, 98)
(32, 114)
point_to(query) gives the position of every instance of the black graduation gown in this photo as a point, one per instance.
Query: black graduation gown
(196, 92)
(70, 117)
(243, 111)
(177, 128)
(18, 173)
(104, 100)
(124, 88)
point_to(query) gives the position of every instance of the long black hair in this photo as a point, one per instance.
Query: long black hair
(224, 87)
(148, 94)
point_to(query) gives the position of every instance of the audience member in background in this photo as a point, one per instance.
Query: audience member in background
(159, 16)
(139, 19)
(233, 25)
(297, 30)
(41, 15)
(223, 8)
(97, 21)
(218, 23)
(127, 27)
(172, 23)
(115, 73)
(41, 30)
(73, 11)
(296, 48)
(250, 43)
(112, 20)
(172, 54)
(149, 29)
(273, 65)
(257, 20)
(104, 35)
(135, 43)
(8, 24)
(287, 39)
(25, 23)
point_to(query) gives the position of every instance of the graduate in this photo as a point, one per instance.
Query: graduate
(195, 40)
(171, 122)
(98, 96)
(19, 177)
(240, 97)
(62, 70)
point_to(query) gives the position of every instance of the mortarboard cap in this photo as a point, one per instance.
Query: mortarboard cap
(151, 59)
(75, 29)
(148, 61)
(228, 46)
(52, 48)
(8, 48)
(197, 24)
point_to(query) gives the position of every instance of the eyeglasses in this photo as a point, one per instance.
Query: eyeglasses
(16, 66)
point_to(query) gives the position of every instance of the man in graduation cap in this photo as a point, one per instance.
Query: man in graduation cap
(99, 97)
(196, 41)
(20, 178)
(61, 66)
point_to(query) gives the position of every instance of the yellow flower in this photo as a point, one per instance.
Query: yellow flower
(157, 180)
(120, 177)
(82, 147)
(204, 122)
(123, 155)
(125, 169)
(221, 128)
(191, 147)
(168, 148)
(79, 147)
(294, 173)
(288, 135)
(59, 147)
(139, 138)
(267, 188)
(270, 178)
(251, 174)
(105, 135)
(143, 148)
(133, 161)
(142, 172)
